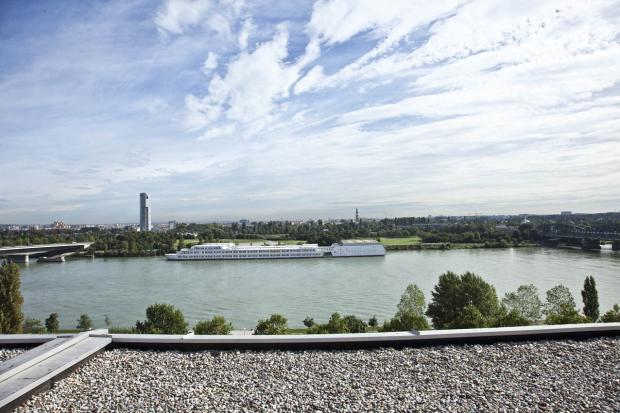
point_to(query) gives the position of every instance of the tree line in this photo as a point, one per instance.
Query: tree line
(457, 301)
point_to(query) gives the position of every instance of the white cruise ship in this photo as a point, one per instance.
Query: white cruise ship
(357, 248)
(230, 251)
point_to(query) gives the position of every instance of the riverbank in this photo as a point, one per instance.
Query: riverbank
(560, 375)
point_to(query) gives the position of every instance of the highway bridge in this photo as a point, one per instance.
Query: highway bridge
(23, 253)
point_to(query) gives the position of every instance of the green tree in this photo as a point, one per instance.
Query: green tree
(406, 321)
(84, 323)
(309, 321)
(463, 301)
(589, 294)
(336, 324)
(11, 299)
(162, 319)
(559, 301)
(107, 321)
(525, 302)
(511, 318)
(567, 316)
(412, 301)
(612, 316)
(217, 325)
(372, 322)
(275, 324)
(33, 326)
(51, 323)
(355, 324)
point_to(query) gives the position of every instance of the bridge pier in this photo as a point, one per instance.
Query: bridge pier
(591, 244)
(18, 259)
(615, 246)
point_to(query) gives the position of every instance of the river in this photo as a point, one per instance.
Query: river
(244, 291)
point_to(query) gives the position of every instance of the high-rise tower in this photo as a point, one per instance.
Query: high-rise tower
(145, 212)
(357, 216)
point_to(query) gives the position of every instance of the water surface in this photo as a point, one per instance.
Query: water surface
(244, 291)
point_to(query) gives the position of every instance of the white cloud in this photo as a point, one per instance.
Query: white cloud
(177, 15)
(244, 34)
(251, 88)
(210, 63)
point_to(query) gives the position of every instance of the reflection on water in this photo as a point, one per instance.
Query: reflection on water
(244, 291)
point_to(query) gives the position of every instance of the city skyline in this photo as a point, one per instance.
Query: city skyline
(227, 110)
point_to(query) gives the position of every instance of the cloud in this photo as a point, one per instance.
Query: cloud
(177, 15)
(248, 93)
(210, 63)
(244, 34)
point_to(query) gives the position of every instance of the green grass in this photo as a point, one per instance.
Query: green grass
(401, 241)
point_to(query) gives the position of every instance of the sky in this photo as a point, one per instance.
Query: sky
(231, 109)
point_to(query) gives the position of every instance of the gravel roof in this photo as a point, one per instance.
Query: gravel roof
(9, 353)
(561, 375)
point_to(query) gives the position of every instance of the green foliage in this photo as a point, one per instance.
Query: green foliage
(52, 323)
(84, 323)
(612, 316)
(355, 325)
(406, 321)
(412, 301)
(372, 322)
(33, 326)
(11, 299)
(340, 325)
(275, 324)
(162, 319)
(309, 321)
(525, 303)
(566, 316)
(559, 302)
(589, 294)
(511, 318)
(107, 321)
(463, 301)
(217, 325)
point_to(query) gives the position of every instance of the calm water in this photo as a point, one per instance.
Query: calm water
(244, 291)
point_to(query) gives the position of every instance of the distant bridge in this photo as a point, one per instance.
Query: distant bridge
(590, 238)
(23, 253)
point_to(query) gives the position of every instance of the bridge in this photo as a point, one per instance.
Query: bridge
(588, 237)
(23, 253)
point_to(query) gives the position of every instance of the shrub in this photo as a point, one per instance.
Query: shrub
(511, 318)
(275, 324)
(162, 319)
(33, 326)
(84, 323)
(405, 322)
(217, 325)
(354, 324)
(612, 316)
(372, 322)
(309, 321)
(51, 323)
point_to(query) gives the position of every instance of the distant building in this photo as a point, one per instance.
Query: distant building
(172, 225)
(244, 221)
(566, 213)
(59, 225)
(357, 215)
(145, 212)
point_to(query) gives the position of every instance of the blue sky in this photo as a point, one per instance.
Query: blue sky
(238, 109)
